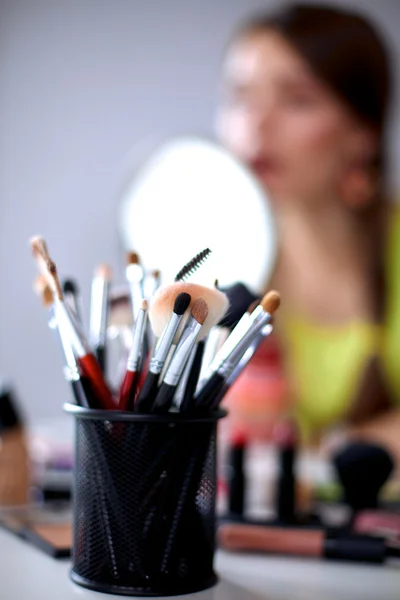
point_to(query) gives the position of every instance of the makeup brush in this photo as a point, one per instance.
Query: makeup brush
(72, 373)
(240, 298)
(215, 339)
(72, 297)
(222, 369)
(186, 342)
(298, 542)
(67, 321)
(150, 286)
(265, 332)
(151, 283)
(192, 266)
(86, 359)
(362, 468)
(230, 341)
(190, 376)
(181, 387)
(148, 392)
(43, 290)
(99, 309)
(129, 384)
(193, 377)
(163, 302)
(135, 275)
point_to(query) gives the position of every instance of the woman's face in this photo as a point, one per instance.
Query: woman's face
(283, 122)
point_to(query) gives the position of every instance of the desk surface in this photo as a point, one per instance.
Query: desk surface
(28, 574)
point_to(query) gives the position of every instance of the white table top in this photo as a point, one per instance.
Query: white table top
(26, 573)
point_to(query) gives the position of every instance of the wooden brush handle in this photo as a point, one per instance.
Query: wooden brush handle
(274, 540)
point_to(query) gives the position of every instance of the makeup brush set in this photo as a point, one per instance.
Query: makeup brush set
(145, 463)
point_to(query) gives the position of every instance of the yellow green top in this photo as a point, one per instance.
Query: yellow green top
(328, 362)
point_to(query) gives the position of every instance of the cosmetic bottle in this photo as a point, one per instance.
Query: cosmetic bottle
(236, 476)
(14, 459)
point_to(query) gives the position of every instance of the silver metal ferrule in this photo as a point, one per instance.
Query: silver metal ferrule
(98, 312)
(249, 353)
(164, 344)
(243, 325)
(63, 340)
(251, 334)
(182, 351)
(137, 342)
(180, 390)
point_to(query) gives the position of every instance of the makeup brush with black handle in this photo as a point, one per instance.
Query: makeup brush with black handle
(148, 392)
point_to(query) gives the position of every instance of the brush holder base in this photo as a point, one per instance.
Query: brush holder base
(144, 502)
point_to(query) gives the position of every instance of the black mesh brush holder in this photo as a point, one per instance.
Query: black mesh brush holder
(144, 502)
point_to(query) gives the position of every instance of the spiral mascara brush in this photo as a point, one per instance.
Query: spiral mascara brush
(129, 384)
(185, 345)
(148, 392)
(99, 309)
(192, 266)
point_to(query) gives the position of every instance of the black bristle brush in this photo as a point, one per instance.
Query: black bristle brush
(148, 392)
(178, 361)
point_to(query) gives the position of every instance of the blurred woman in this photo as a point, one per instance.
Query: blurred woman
(305, 100)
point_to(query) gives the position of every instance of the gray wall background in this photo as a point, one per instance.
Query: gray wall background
(81, 82)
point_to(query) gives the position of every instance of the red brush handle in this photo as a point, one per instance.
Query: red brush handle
(91, 369)
(127, 392)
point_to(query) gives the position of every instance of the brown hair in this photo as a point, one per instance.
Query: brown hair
(347, 54)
